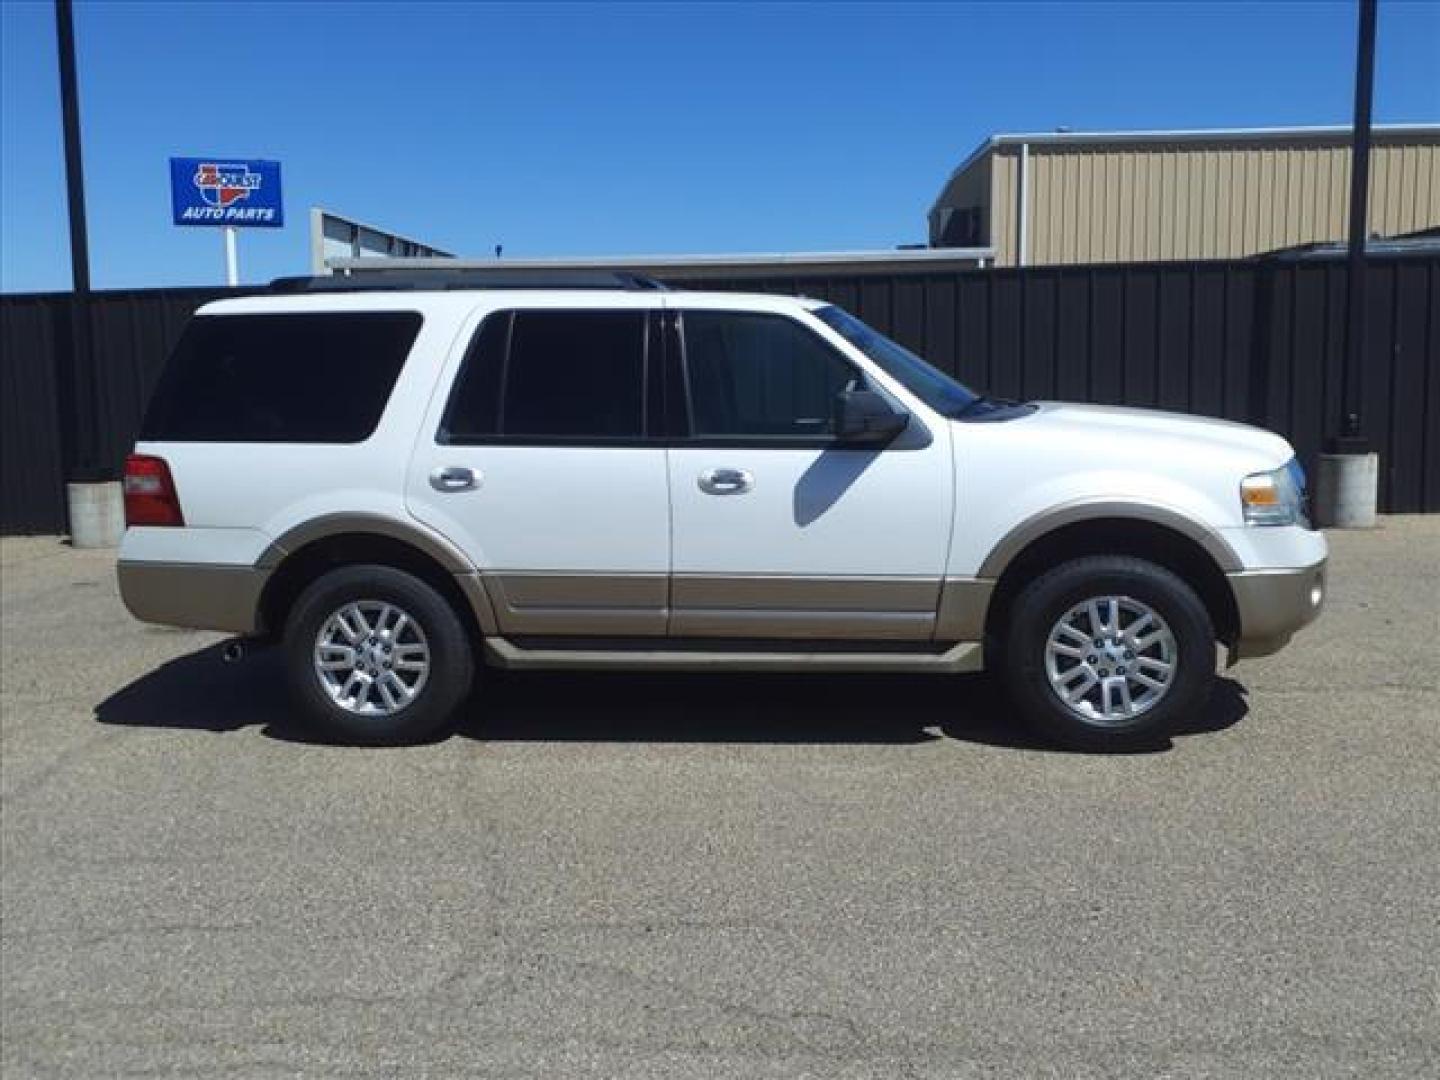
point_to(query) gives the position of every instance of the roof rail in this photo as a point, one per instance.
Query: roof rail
(469, 278)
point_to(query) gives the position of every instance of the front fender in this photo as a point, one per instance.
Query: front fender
(1029, 529)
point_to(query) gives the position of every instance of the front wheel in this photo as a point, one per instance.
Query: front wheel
(376, 655)
(1108, 652)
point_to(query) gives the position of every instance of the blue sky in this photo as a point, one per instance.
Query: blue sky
(617, 129)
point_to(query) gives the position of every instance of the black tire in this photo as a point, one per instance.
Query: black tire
(1041, 604)
(451, 658)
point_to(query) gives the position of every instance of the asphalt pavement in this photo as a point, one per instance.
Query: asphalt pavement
(717, 876)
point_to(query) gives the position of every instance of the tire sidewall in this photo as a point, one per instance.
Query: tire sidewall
(451, 659)
(1041, 604)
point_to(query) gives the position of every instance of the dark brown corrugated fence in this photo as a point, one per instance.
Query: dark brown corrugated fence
(1254, 340)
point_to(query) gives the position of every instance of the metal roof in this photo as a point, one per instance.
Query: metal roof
(493, 276)
(714, 265)
(1423, 243)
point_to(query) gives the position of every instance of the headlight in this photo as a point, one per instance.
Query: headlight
(1275, 498)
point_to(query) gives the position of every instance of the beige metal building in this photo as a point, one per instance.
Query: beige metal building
(1142, 196)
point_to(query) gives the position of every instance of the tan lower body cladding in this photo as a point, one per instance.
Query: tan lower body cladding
(205, 597)
(735, 606)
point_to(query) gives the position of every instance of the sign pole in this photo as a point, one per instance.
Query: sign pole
(232, 257)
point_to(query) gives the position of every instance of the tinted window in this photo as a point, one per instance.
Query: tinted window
(568, 375)
(932, 386)
(760, 375)
(316, 378)
(473, 411)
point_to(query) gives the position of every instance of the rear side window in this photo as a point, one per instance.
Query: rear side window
(311, 378)
(551, 375)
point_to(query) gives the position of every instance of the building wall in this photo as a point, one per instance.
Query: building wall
(1162, 201)
(969, 191)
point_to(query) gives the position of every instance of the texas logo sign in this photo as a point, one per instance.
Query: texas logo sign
(222, 185)
(226, 192)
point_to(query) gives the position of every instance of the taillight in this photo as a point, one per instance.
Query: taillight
(150, 497)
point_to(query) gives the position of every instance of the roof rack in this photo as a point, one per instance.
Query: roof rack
(469, 278)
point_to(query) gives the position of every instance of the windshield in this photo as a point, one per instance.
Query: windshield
(929, 384)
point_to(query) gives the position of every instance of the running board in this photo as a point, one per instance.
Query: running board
(957, 659)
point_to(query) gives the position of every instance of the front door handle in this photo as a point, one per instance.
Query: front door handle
(454, 478)
(725, 481)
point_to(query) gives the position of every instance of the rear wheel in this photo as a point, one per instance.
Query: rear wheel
(376, 655)
(1108, 652)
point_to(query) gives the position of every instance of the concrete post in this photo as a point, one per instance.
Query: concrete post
(97, 513)
(1345, 490)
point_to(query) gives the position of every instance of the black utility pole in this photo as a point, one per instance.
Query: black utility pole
(79, 387)
(74, 169)
(1351, 439)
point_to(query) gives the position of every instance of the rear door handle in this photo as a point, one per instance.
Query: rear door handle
(725, 481)
(454, 478)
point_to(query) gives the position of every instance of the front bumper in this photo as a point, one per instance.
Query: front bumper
(1273, 604)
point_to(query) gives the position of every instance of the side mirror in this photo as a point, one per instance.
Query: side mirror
(865, 417)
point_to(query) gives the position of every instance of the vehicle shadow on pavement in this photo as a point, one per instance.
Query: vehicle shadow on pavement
(200, 692)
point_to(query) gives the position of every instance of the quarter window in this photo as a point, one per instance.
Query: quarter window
(304, 378)
(760, 376)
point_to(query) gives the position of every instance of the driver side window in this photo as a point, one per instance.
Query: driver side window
(762, 376)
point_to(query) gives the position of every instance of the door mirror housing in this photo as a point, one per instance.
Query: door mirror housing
(864, 417)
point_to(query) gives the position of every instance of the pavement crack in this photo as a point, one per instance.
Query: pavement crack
(98, 936)
(783, 1020)
(67, 757)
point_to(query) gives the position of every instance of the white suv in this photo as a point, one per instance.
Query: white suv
(398, 478)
